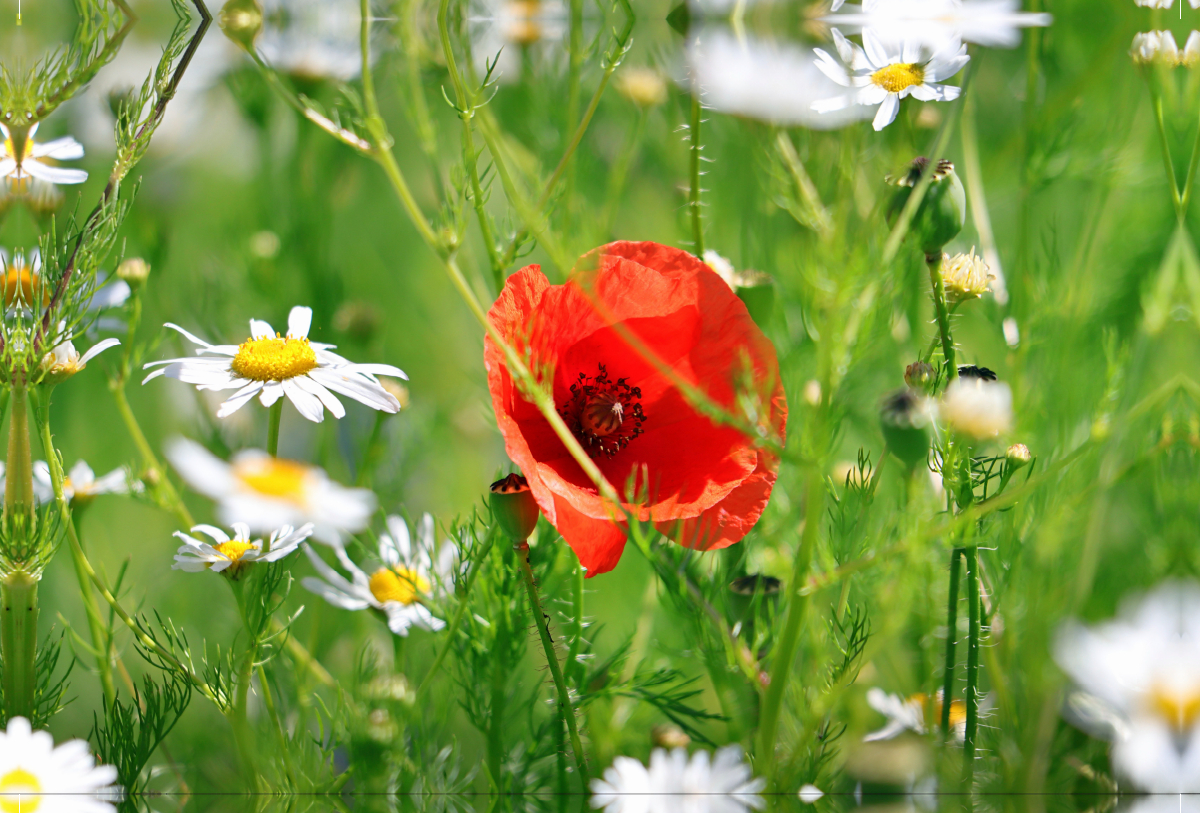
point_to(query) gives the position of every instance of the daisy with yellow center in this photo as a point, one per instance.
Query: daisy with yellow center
(22, 158)
(23, 286)
(1137, 683)
(398, 586)
(231, 555)
(36, 776)
(269, 365)
(909, 714)
(81, 485)
(64, 360)
(266, 492)
(887, 69)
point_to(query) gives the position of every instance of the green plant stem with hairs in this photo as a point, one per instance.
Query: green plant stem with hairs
(18, 642)
(971, 557)
(951, 634)
(934, 263)
(565, 708)
(694, 149)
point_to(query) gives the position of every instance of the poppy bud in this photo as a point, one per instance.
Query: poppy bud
(943, 210)
(241, 20)
(905, 420)
(920, 375)
(513, 506)
(1018, 456)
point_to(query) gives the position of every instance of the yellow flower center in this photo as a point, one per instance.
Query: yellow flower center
(1180, 708)
(958, 710)
(895, 78)
(283, 479)
(20, 792)
(274, 359)
(523, 27)
(233, 549)
(398, 584)
(20, 283)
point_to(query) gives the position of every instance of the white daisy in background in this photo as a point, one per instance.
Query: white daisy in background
(991, 23)
(673, 782)
(1159, 46)
(23, 284)
(501, 30)
(81, 485)
(270, 366)
(1143, 670)
(267, 493)
(886, 70)
(908, 714)
(760, 79)
(230, 555)
(1164, 3)
(36, 775)
(65, 361)
(405, 576)
(22, 158)
(312, 39)
(976, 407)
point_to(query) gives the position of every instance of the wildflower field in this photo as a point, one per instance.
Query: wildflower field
(620, 405)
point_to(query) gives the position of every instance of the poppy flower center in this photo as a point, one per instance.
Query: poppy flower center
(398, 584)
(233, 549)
(895, 78)
(20, 792)
(605, 415)
(275, 359)
(283, 479)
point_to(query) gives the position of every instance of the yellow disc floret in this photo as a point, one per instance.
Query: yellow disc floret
(283, 479)
(275, 359)
(902, 75)
(20, 792)
(233, 549)
(20, 285)
(1181, 708)
(398, 584)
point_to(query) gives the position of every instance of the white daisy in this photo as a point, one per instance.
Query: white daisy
(908, 714)
(22, 158)
(81, 485)
(36, 775)
(993, 23)
(673, 783)
(765, 80)
(23, 284)
(231, 555)
(978, 408)
(267, 493)
(405, 576)
(1142, 671)
(886, 69)
(65, 361)
(270, 366)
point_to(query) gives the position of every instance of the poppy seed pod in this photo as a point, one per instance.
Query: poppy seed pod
(513, 506)
(904, 419)
(943, 210)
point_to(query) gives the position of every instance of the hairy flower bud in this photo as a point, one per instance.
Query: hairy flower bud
(966, 277)
(904, 419)
(134, 271)
(943, 210)
(645, 87)
(241, 20)
(513, 506)
(1018, 456)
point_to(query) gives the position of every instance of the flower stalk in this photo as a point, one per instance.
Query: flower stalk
(18, 485)
(18, 641)
(565, 708)
(934, 262)
(274, 418)
(971, 556)
(694, 192)
(951, 634)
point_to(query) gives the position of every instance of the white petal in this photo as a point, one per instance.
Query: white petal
(327, 398)
(887, 112)
(261, 330)
(239, 399)
(307, 405)
(96, 350)
(60, 149)
(299, 322)
(58, 175)
(272, 391)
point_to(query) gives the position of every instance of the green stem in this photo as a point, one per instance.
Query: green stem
(149, 459)
(101, 635)
(971, 555)
(951, 633)
(565, 708)
(1190, 181)
(942, 312)
(18, 484)
(573, 665)
(277, 724)
(18, 642)
(370, 458)
(495, 734)
(785, 656)
(694, 194)
(274, 418)
(1156, 103)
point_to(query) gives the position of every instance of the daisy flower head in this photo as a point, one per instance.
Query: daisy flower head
(908, 714)
(991, 23)
(886, 69)
(81, 485)
(37, 775)
(24, 285)
(397, 586)
(65, 361)
(1140, 675)
(675, 783)
(976, 406)
(231, 555)
(22, 158)
(270, 366)
(267, 493)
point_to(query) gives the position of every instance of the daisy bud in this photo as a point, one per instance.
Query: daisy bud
(134, 271)
(965, 276)
(920, 375)
(943, 210)
(1018, 456)
(241, 20)
(977, 408)
(513, 506)
(645, 87)
(669, 736)
(904, 419)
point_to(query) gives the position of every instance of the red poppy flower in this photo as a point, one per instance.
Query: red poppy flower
(702, 484)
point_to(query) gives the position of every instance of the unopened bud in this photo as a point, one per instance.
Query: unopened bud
(904, 418)
(241, 20)
(513, 506)
(920, 375)
(943, 210)
(134, 271)
(669, 736)
(645, 87)
(1018, 456)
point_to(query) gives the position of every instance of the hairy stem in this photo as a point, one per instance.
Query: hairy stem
(18, 483)
(943, 313)
(971, 555)
(951, 633)
(694, 167)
